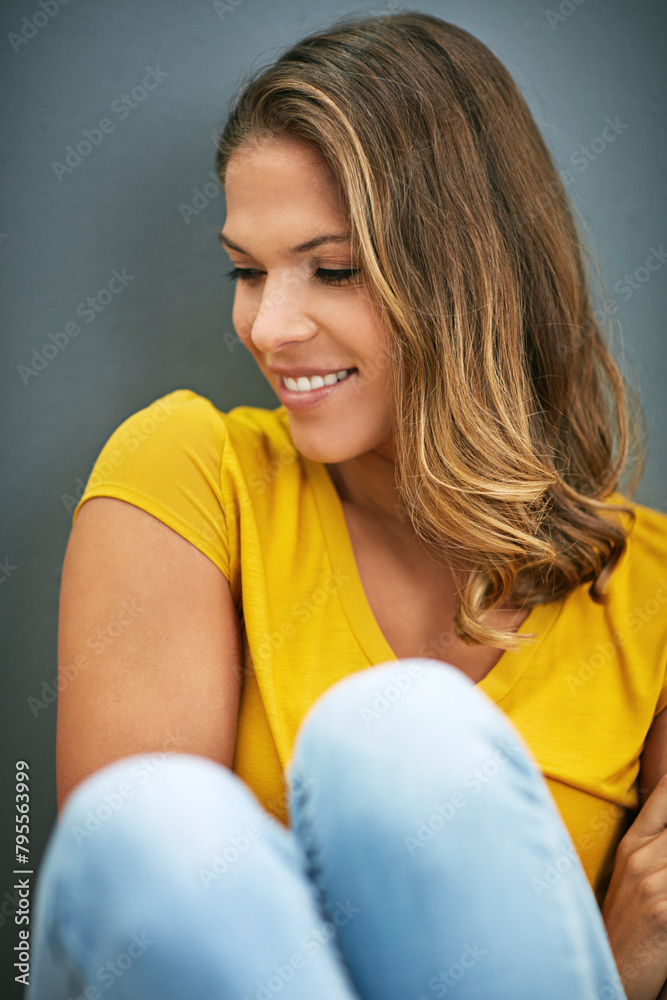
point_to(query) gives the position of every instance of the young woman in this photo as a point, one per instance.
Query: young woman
(364, 694)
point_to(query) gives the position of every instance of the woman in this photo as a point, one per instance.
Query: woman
(364, 693)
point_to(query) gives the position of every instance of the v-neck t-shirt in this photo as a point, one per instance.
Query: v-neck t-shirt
(582, 694)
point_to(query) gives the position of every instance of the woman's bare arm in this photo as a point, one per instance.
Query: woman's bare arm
(654, 757)
(634, 908)
(149, 645)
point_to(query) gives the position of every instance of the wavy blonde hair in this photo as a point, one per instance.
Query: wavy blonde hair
(512, 422)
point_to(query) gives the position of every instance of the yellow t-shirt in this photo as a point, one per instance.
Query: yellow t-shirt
(583, 694)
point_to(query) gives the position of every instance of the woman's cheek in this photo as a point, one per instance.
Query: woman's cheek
(242, 320)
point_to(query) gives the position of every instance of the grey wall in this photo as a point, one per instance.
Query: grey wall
(63, 234)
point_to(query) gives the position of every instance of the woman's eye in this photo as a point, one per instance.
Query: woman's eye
(244, 273)
(330, 277)
(326, 275)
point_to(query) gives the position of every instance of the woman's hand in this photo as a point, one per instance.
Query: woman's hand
(635, 907)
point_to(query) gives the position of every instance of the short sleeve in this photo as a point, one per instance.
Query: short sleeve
(167, 459)
(642, 573)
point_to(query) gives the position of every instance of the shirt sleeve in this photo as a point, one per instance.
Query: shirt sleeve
(167, 459)
(644, 621)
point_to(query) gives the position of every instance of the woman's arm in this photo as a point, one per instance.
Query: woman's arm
(654, 757)
(149, 646)
(635, 907)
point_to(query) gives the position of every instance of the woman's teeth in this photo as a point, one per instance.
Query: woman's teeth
(304, 384)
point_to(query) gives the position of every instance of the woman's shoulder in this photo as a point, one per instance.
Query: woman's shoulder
(185, 461)
(174, 430)
(179, 443)
(173, 445)
(635, 588)
(188, 419)
(245, 425)
(638, 582)
(646, 551)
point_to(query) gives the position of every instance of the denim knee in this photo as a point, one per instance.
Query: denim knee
(396, 696)
(415, 717)
(143, 790)
(165, 813)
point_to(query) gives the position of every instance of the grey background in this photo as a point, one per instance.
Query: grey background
(171, 326)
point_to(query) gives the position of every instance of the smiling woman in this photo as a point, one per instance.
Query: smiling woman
(416, 655)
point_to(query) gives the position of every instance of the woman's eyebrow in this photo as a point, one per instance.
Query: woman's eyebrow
(311, 244)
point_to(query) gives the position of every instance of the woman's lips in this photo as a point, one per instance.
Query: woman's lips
(294, 400)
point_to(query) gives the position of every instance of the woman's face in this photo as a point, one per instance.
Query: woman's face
(294, 317)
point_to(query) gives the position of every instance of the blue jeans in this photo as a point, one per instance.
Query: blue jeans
(420, 863)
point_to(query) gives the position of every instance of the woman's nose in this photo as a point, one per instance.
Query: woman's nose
(282, 316)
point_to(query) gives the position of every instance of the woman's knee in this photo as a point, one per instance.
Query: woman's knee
(413, 695)
(143, 839)
(388, 723)
(147, 802)
(155, 844)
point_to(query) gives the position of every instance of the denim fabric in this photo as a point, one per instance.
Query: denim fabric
(425, 858)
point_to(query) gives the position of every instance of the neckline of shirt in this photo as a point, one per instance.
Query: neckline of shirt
(502, 676)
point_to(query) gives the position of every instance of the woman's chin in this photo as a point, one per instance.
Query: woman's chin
(321, 452)
(335, 449)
